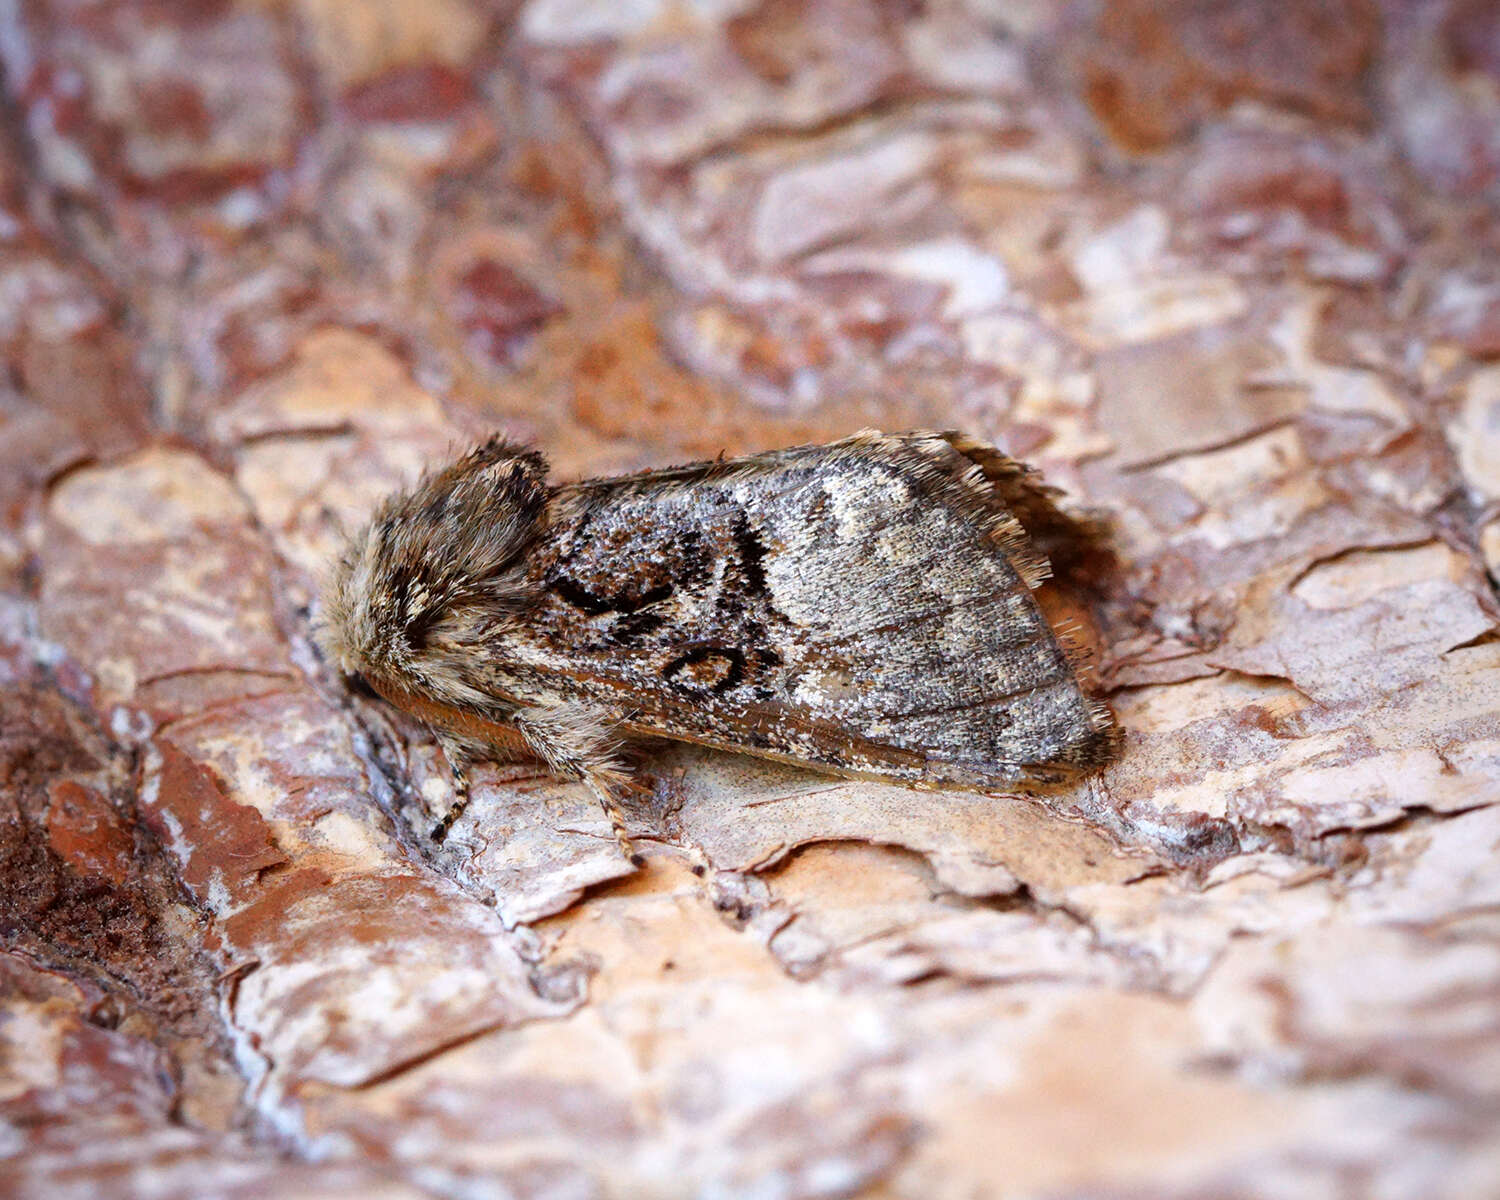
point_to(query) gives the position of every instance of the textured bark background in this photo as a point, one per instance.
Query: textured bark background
(1229, 271)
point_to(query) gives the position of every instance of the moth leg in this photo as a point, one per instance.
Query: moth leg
(576, 743)
(604, 787)
(459, 759)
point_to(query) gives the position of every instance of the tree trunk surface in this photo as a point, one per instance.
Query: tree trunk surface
(1228, 274)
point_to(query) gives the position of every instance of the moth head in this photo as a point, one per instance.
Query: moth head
(451, 548)
(354, 628)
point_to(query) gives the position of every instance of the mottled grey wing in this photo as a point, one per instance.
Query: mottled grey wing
(864, 607)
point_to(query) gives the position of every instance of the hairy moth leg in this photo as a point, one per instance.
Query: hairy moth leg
(458, 772)
(575, 742)
(605, 787)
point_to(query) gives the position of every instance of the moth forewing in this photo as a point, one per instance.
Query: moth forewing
(863, 607)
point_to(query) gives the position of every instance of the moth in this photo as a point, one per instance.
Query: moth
(862, 608)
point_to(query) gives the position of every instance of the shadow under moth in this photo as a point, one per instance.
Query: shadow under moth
(863, 608)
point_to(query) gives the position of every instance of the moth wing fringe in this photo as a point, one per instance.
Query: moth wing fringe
(1050, 531)
(1064, 533)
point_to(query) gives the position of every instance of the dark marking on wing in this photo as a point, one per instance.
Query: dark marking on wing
(752, 554)
(710, 670)
(596, 605)
(635, 627)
